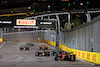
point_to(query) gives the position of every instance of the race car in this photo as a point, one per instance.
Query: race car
(42, 47)
(42, 53)
(29, 44)
(24, 47)
(65, 56)
(54, 52)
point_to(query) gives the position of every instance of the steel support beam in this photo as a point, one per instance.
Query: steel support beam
(58, 31)
(48, 17)
(5, 30)
(68, 17)
(18, 29)
(88, 17)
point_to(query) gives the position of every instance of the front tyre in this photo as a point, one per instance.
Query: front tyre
(36, 53)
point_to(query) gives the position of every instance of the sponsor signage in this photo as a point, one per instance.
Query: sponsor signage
(25, 22)
(5, 22)
(46, 24)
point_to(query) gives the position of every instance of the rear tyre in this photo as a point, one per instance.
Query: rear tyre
(20, 48)
(69, 57)
(45, 53)
(56, 59)
(74, 57)
(28, 48)
(36, 53)
(46, 47)
(48, 53)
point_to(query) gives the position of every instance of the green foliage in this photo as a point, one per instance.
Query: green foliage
(77, 21)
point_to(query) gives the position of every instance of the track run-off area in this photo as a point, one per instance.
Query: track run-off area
(11, 56)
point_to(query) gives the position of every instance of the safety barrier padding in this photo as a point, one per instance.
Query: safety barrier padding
(50, 43)
(88, 56)
(1, 40)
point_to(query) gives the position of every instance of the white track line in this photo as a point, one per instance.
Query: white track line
(2, 45)
(88, 62)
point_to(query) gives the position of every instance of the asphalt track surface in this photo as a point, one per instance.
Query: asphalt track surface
(11, 56)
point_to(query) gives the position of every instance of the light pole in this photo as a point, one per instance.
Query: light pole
(57, 30)
(86, 12)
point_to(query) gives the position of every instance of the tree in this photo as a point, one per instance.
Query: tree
(77, 21)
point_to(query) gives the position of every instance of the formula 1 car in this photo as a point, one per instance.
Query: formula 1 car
(42, 53)
(66, 56)
(24, 47)
(54, 52)
(42, 47)
(29, 44)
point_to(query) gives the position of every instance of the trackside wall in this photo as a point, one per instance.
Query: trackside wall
(1, 40)
(35, 36)
(84, 41)
(85, 55)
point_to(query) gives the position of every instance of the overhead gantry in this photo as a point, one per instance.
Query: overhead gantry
(58, 19)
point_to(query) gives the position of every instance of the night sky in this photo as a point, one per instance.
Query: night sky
(6, 4)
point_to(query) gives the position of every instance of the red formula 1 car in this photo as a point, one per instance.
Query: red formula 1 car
(42, 53)
(42, 47)
(66, 56)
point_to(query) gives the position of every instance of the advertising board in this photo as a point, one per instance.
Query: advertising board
(25, 22)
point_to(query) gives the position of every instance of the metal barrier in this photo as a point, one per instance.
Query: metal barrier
(86, 38)
(80, 39)
(24, 36)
